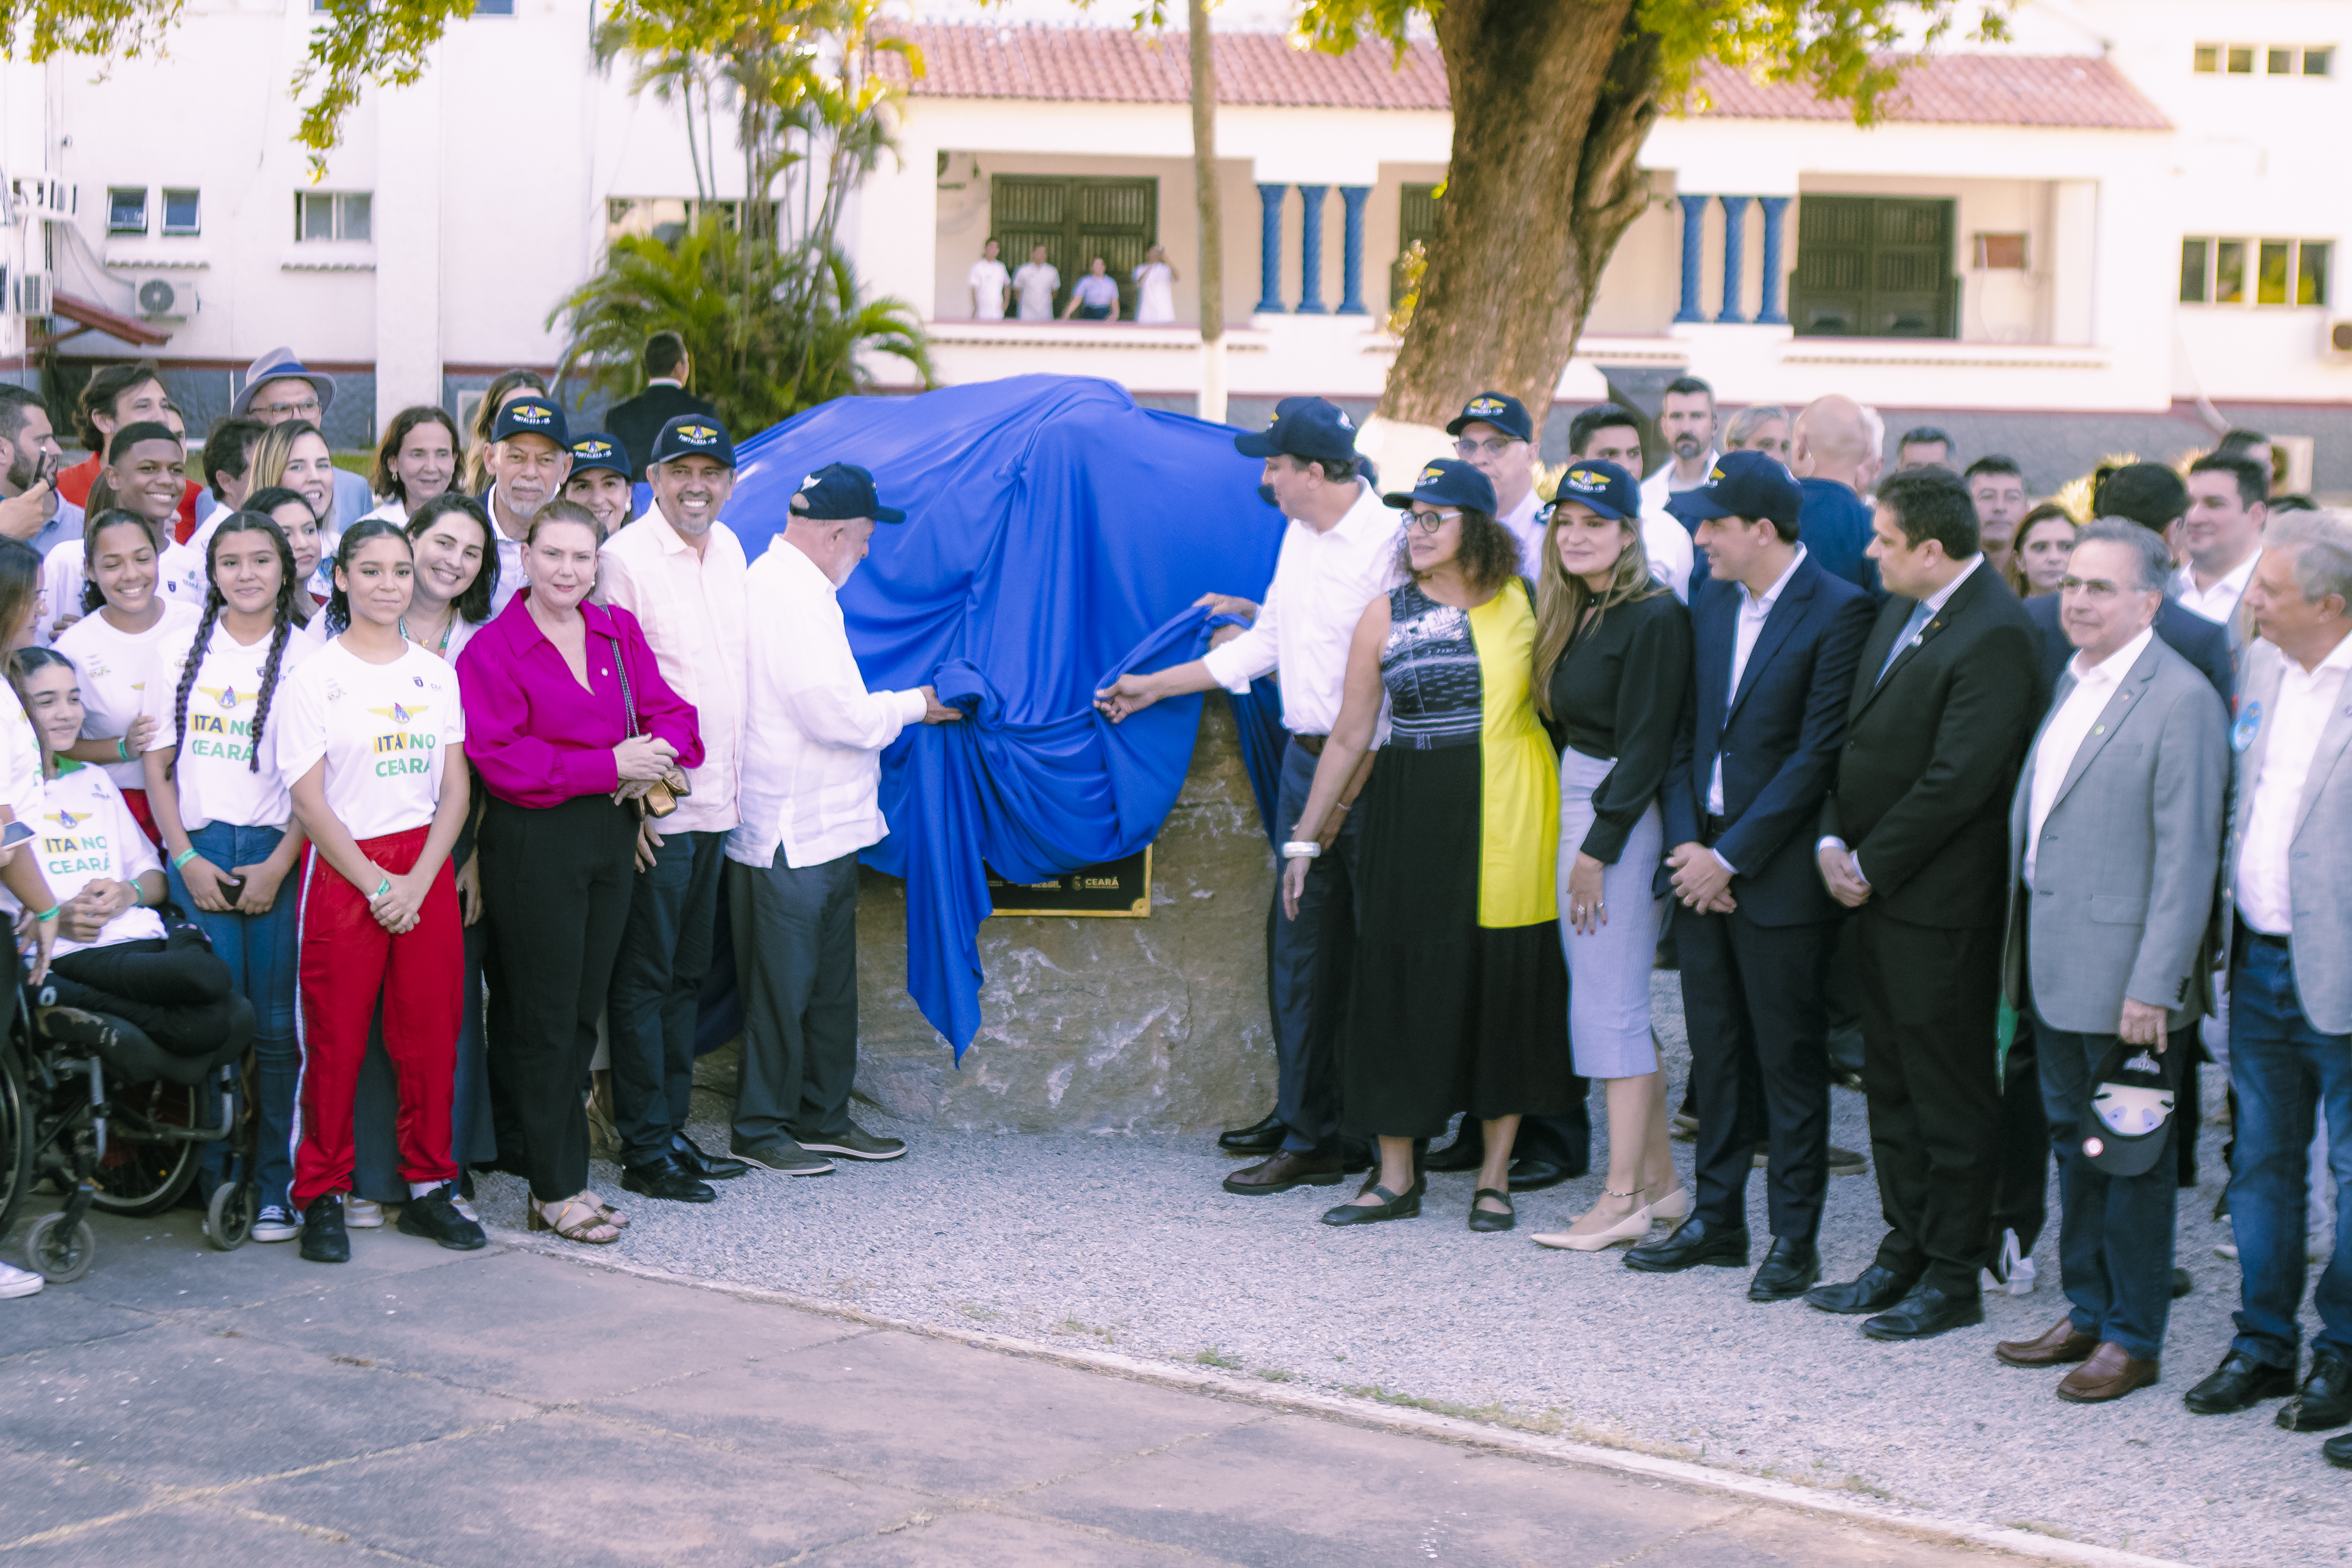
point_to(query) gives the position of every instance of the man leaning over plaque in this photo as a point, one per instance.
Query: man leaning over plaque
(1337, 553)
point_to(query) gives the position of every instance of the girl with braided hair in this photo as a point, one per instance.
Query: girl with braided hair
(224, 809)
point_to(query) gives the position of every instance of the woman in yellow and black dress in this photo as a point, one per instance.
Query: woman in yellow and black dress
(1460, 999)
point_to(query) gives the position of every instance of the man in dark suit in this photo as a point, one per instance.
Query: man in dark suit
(637, 420)
(1915, 837)
(1776, 640)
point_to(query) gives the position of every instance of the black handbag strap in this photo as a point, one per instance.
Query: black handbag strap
(628, 696)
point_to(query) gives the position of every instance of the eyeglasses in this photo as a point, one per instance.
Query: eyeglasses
(1494, 446)
(1430, 521)
(302, 410)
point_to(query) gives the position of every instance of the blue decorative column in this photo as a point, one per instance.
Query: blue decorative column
(1771, 314)
(1269, 249)
(1694, 231)
(1734, 256)
(1351, 251)
(1311, 249)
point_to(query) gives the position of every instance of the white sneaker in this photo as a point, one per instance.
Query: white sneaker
(2012, 1271)
(277, 1223)
(361, 1213)
(15, 1281)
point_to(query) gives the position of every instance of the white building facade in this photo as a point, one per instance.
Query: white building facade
(2103, 236)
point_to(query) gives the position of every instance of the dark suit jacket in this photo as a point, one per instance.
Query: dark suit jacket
(2204, 644)
(636, 421)
(1932, 754)
(1778, 735)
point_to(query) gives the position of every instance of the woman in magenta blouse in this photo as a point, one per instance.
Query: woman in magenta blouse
(549, 685)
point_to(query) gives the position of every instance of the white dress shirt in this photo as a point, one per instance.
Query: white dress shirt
(2219, 601)
(1753, 613)
(509, 554)
(1525, 523)
(813, 734)
(692, 608)
(1321, 584)
(2069, 727)
(2304, 701)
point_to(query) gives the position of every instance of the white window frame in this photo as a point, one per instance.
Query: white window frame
(2252, 287)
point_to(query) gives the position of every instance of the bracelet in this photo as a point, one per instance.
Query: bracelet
(45, 916)
(123, 747)
(1301, 850)
(381, 888)
(180, 862)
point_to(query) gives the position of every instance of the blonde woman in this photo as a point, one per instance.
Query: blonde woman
(1612, 657)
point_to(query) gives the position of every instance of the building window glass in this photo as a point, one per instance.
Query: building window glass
(2311, 273)
(323, 216)
(2196, 256)
(2319, 62)
(668, 219)
(2208, 58)
(126, 209)
(2286, 271)
(2242, 59)
(2229, 272)
(2270, 272)
(181, 212)
(2281, 62)
(493, 7)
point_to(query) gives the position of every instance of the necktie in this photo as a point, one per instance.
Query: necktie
(1920, 615)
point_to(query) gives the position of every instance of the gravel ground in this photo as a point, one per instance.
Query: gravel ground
(1128, 1242)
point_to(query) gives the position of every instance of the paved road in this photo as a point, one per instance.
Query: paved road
(187, 1408)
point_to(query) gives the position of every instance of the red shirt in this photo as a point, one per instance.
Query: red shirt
(73, 485)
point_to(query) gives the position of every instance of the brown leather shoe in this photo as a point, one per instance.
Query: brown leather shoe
(2061, 1345)
(1285, 1170)
(2108, 1374)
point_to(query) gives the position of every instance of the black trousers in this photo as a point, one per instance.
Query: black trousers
(556, 890)
(2023, 1201)
(171, 988)
(1930, 1017)
(1752, 997)
(655, 1000)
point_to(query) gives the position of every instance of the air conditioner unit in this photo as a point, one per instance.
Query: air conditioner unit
(46, 197)
(2337, 342)
(157, 296)
(31, 294)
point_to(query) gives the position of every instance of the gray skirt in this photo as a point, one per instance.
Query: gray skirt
(1608, 970)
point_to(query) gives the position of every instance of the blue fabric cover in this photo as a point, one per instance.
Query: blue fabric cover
(1057, 535)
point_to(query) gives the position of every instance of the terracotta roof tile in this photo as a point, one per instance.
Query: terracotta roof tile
(1117, 65)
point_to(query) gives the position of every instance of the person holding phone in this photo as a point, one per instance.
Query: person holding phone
(113, 646)
(370, 722)
(224, 812)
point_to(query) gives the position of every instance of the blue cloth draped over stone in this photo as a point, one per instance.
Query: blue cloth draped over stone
(1057, 535)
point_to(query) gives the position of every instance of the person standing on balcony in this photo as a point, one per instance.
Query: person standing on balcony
(1155, 290)
(990, 286)
(1094, 297)
(1035, 285)
(1687, 424)
(634, 422)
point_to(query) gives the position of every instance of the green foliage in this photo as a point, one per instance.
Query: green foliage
(361, 43)
(771, 331)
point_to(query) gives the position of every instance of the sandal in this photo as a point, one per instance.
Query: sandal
(573, 1219)
(613, 1216)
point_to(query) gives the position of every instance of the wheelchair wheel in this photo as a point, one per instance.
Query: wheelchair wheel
(229, 1221)
(145, 1175)
(16, 1136)
(61, 1258)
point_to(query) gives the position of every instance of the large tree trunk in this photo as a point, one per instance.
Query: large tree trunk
(1211, 276)
(1551, 104)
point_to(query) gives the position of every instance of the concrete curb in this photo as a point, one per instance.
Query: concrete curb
(1411, 1422)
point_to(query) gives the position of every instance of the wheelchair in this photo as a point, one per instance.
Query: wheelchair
(92, 1106)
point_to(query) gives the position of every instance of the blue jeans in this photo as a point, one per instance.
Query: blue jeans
(2283, 1068)
(259, 951)
(2115, 1233)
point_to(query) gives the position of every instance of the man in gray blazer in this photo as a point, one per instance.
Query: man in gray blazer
(2287, 894)
(2115, 844)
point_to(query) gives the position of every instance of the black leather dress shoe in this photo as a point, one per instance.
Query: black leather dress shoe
(1282, 1171)
(2337, 1451)
(1258, 1138)
(1694, 1242)
(1925, 1313)
(1533, 1175)
(709, 1167)
(668, 1177)
(1405, 1204)
(1791, 1268)
(1873, 1290)
(1466, 1152)
(2240, 1382)
(2324, 1400)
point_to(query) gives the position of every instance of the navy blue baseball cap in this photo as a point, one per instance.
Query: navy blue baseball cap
(1501, 410)
(1752, 485)
(532, 417)
(2126, 1128)
(1446, 482)
(841, 491)
(1604, 486)
(1307, 428)
(699, 436)
(598, 450)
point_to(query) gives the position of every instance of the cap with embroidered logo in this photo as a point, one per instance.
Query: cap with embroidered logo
(840, 491)
(1501, 410)
(696, 435)
(1753, 485)
(1446, 482)
(1305, 428)
(532, 417)
(1603, 486)
(598, 450)
(2133, 1101)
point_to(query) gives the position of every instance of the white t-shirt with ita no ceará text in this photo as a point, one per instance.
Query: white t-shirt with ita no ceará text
(384, 728)
(114, 668)
(212, 774)
(83, 832)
